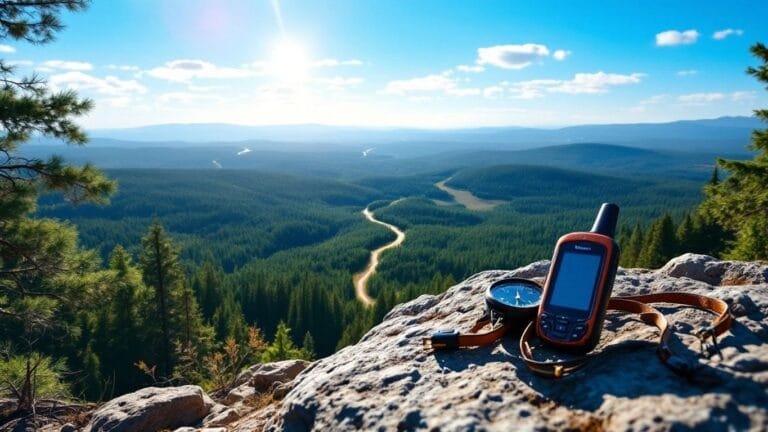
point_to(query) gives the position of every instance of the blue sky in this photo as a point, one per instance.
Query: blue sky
(422, 63)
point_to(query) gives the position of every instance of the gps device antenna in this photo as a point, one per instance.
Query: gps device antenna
(605, 222)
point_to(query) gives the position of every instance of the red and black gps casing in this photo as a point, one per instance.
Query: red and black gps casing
(579, 284)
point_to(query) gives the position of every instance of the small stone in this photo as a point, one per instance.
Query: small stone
(152, 408)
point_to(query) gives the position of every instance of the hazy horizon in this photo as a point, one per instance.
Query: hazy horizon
(395, 127)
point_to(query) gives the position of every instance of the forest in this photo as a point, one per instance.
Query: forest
(253, 268)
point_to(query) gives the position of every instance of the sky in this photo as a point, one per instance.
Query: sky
(397, 63)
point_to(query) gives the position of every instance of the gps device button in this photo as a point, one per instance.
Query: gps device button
(561, 328)
(558, 335)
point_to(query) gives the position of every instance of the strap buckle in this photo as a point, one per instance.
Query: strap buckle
(442, 340)
(708, 342)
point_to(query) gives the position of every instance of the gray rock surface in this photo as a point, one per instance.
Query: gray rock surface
(152, 409)
(387, 382)
(262, 377)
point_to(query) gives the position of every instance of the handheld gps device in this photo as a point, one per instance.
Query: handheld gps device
(579, 284)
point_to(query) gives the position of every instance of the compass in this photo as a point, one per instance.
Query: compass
(515, 298)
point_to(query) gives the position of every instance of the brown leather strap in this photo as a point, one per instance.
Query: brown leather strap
(631, 304)
(650, 315)
(449, 339)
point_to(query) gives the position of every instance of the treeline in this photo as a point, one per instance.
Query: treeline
(652, 246)
(148, 323)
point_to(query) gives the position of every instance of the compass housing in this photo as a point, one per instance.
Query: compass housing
(514, 299)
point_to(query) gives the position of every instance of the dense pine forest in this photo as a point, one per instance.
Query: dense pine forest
(112, 281)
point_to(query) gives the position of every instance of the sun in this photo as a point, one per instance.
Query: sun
(289, 62)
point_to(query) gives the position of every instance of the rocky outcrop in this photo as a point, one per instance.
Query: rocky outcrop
(388, 382)
(152, 409)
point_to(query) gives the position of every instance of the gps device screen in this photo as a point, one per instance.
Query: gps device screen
(576, 279)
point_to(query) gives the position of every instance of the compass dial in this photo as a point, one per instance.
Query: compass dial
(517, 294)
(516, 298)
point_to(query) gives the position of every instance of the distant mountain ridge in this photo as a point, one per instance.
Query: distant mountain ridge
(724, 133)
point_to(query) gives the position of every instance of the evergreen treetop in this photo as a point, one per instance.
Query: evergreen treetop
(740, 201)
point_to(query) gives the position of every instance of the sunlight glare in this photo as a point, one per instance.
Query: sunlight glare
(289, 62)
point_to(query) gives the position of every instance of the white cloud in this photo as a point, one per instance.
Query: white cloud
(700, 97)
(655, 99)
(560, 55)
(687, 72)
(110, 85)
(339, 83)
(471, 69)
(330, 62)
(436, 83)
(185, 70)
(123, 67)
(464, 91)
(674, 37)
(581, 83)
(743, 95)
(429, 83)
(511, 56)
(7, 49)
(66, 65)
(185, 98)
(722, 34)
(493, 92)
(596, 82)
(705, 98)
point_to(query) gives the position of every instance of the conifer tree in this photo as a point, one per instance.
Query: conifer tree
(740, 202)
(659, 244)
(308, 347)
(282, 347)
(228, 321)
(125, 325)
(622, 238)
(631, 253)
(162, 274)
(714, 179)
(686, 235)
(34, 253)
(208, 285)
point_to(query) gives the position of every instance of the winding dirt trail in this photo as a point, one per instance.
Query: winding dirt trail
(361, 279)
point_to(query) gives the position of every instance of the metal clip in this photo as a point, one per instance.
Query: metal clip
(442, 340)
(708, 343)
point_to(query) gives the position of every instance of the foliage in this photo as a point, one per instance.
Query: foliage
(46, 374)
(282, 347)
(173, 304)
(41, 266)
(223, 366)
(740, 202)
(663, 240)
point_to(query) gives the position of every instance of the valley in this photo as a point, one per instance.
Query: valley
(307, 248)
